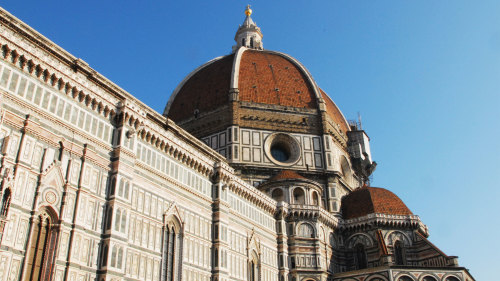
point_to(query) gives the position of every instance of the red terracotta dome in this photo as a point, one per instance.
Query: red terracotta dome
(205, 89)
(260, 76)
(371, 200)
(286, 174)
(270, 78)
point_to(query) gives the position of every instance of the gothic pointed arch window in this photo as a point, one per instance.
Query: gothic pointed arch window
(42, 246)
(360, 256)
(172, 250)
(253, 267)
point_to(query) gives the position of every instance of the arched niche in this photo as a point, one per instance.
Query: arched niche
(305, 230)
(277, 194)
(299, 196)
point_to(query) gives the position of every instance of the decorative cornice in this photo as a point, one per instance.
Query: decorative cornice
(250, 193)
(376, 220)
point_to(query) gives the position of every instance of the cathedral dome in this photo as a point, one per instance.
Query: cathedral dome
(256, 87)
(371, 200)
(259, 77)
(263, 109)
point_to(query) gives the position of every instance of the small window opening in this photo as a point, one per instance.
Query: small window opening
(360, 256)
(399, 253)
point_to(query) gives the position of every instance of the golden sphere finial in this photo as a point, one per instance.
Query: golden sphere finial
(248, 11)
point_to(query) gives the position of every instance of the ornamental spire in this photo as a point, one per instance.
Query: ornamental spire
(248, 11)
(248, 34)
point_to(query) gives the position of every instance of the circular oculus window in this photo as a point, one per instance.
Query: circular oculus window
(282, 149)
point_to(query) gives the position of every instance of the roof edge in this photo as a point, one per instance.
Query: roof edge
(338, 109)
(179, 87)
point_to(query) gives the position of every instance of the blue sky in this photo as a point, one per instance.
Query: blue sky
(425, 76)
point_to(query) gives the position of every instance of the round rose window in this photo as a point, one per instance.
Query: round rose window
(282, 149)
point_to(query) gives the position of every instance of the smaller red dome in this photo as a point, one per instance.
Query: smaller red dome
(371, 200)
(286, 174)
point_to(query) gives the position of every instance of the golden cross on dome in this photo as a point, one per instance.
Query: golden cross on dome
(248, 11)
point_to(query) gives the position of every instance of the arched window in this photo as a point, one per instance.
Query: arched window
(253, 267)
(117, 256)
(360, 256)
(404, 278)
(298, 196)
(172, 249)
(42, 247)
(429, 278)
(277, 194)
(243, 41)
(306, 230)
(315, 198)
(399, 254)
(251, 42)
(451, 278)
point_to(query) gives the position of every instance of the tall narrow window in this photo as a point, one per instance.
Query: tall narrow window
(5, 203)
(315, 199)
(42, 247)
(399, 253)
(251, 42)
(170, 254)
(123, 222)
(4, 209)
(109, 217)
(253, 267)
(113, 256)
(117, 219)
(360, 256)
(120, 188)
(172, 250)
(252, 271)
